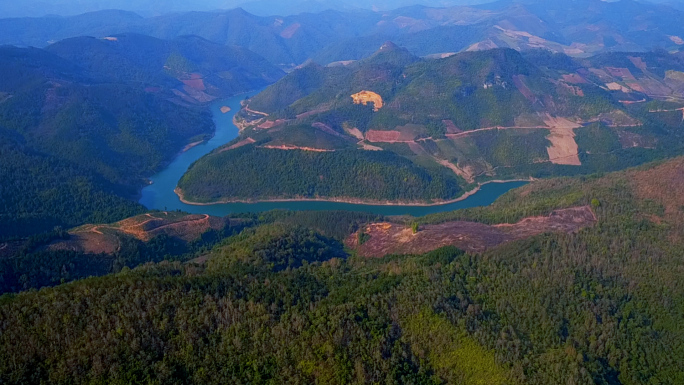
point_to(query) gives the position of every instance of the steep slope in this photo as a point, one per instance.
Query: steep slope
(476, 116)
(105, 114)
(201, 68)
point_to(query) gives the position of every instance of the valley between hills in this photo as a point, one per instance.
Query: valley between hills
(317, 230)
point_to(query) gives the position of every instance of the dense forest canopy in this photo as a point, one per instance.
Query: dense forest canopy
(281, 303)
(273, 174)
(84, 122)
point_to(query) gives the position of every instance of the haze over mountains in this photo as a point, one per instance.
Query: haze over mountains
(260, 7)
(578, 28)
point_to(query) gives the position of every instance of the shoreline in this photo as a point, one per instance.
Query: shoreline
(363, 202)
(191, 145)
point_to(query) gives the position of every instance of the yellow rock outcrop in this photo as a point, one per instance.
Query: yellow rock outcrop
(365, 97)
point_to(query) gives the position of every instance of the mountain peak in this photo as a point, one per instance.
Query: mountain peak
(389, 46)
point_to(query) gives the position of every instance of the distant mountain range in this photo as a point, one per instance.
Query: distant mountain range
(39, 8)
(579, 28)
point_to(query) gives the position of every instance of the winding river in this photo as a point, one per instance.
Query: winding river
(160, 195)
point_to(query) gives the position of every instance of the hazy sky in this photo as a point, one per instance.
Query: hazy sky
(20, 8)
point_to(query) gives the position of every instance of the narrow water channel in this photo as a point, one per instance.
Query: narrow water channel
(160, 195)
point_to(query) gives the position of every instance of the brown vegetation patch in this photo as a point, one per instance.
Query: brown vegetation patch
(677, 40)
(465, 173)
(662, 184)
(327, 129)
(270, 124)
(317, 110)
(519, 82)
(574, 79)
(390, 238)
(483, 46)
(99, 239)
(623, 73)
(630, 139)
(638, 62)
(10, 248)
(383, 136)
(288, 32)
(198, 95)
(191, 145)
(451, 127)
(239, 144)
(418, 149)
(289, 147)
(196, 84)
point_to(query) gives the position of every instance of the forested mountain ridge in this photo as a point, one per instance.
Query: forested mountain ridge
(470, 118)
(335, 35)
(279, 303)
(200, 68)
(85, 121)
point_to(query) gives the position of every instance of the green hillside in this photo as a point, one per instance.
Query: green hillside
(87, 120)
(281, 303)
(296, 174)
(131, 58)
(474, 116)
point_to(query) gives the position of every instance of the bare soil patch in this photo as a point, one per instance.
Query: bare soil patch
(564, 149)
(355, 132)
(191, 145)
(197, 84)
(383, 136)
(365, 97)
(225, 109)
(239, 144)
(288, 147)
(267, 125)
(288, 32)
(390, 238)
(99, 239)
(369, 147)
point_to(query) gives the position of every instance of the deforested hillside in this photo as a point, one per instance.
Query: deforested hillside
(472, 117)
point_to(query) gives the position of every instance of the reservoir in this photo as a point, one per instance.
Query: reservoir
(160, 195)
